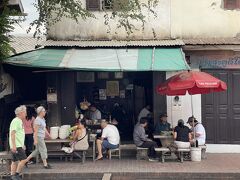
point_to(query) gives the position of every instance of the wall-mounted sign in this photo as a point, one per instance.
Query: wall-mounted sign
(228, 63)
(52, 97)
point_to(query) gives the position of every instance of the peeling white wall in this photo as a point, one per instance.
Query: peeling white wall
(176, 19)
(203, 18)
(94, 29)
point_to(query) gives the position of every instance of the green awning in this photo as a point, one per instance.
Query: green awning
(142, 59)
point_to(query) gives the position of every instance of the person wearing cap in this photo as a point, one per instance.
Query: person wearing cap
(39, 136)
(109, 140)
(198, 128)
(162, 124)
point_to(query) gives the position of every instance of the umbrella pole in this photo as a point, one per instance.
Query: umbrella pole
(194, 136)
(171, 112)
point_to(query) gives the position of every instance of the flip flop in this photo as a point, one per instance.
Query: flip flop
(99, 159)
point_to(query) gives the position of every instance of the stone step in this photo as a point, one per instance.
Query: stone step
(132, 176)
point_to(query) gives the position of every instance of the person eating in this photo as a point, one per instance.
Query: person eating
(162, 124)
(94, 114)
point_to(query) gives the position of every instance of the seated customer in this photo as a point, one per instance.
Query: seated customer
(200, 133)
(94, 113)
(182, 135)
(162, 124)
(109, 140)
(140, 139)
(81, 137)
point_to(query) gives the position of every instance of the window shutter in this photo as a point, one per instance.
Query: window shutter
(232, 4)
(93, 5)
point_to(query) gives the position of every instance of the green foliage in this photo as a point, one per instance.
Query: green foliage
(125, 12)
(8, 19)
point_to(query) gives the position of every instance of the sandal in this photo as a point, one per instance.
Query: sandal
(47, 166)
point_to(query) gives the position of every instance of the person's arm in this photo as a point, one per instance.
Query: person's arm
(99, 115)
(189, 136)
(13, 138)
(35, 137)
(47, 133)
(175, 135)
(142, 135)
(76, 135)
(104, 134)
(32, 123)
(198, 130)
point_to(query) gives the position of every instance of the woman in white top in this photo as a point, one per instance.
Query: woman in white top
(81, 137)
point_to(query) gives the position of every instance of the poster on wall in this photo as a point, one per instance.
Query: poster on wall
(102, 94)
(52, 97)
(112, 88)
(85, 77)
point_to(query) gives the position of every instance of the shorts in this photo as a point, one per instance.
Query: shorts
(19, 155)
(106, 145)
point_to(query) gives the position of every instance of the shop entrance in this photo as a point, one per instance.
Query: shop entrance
(118, 95)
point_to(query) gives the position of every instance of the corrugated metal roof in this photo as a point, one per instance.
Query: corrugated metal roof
(212, 41)
(114, 43)
(23, 44)
(104, 59)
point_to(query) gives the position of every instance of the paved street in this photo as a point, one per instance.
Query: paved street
(218, 166)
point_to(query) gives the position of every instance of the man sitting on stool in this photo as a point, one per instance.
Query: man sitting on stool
(109, 140)
(140, 139)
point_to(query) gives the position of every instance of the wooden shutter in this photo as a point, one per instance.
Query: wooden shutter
(231, 4)
(93, 5)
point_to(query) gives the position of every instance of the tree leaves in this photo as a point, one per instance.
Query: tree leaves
(125, 12)
(8, 18)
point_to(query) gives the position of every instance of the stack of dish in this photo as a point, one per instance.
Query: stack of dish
(64, 131)
(54, 132)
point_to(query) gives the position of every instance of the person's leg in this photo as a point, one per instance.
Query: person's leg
(13, 168)
(99, 148)
(21, 157)
(26, 144)
(20, 166)
(150, 145)
(43, 151)
(152, 152)
(35, 153)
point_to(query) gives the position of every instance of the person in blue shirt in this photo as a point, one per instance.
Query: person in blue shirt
(162, 124)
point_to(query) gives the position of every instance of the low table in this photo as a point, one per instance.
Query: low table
(165, 140)
(54, 146)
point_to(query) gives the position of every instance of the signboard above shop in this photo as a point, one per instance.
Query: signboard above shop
(204, 62)
(231, 63)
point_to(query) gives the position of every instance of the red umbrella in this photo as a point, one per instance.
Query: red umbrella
(193, 82)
